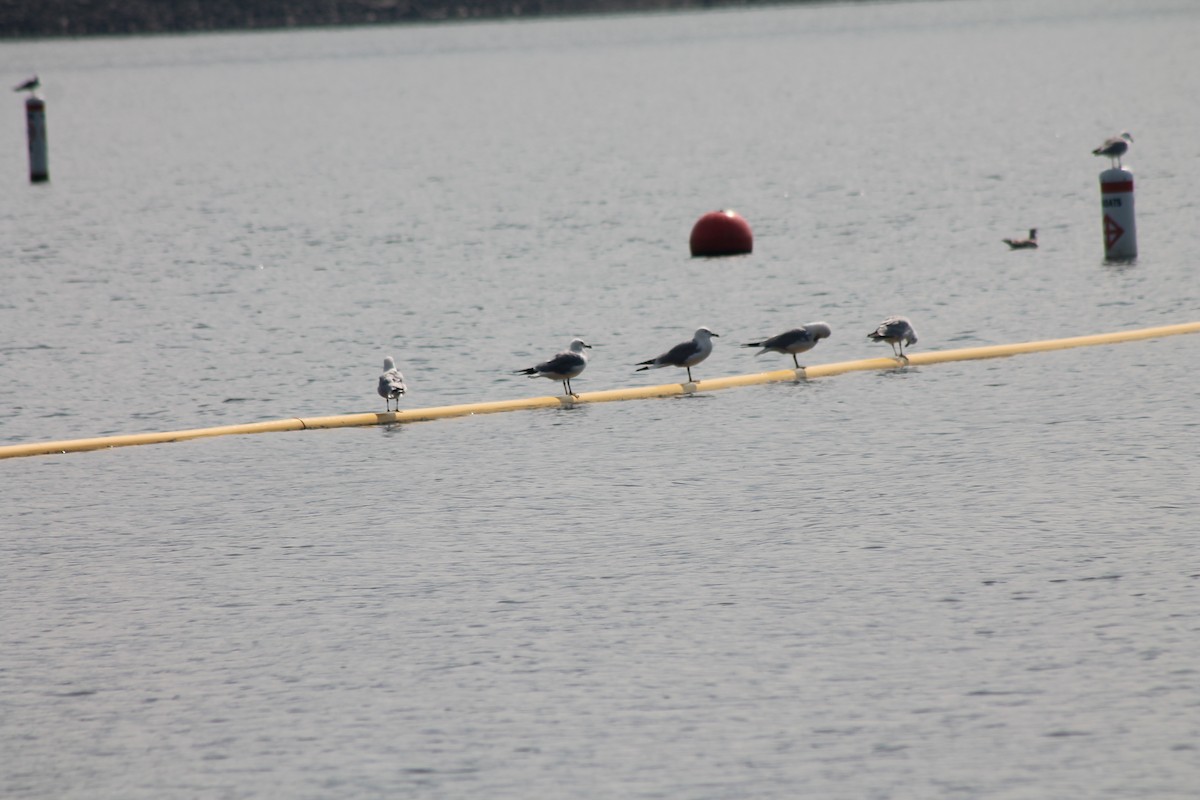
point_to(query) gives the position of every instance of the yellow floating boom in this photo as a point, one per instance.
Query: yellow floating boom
(638, 393)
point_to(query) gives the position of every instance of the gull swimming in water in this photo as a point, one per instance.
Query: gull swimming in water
(391, 383)
(30, 85)
(1114, 147)
(797, 340)
(685, 354)
(1023, 244)
(563, 366)
(894, 330)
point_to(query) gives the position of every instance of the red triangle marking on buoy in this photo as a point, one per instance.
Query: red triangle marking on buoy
(1112, 231)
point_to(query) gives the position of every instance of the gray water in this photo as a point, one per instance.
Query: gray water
(973, 580)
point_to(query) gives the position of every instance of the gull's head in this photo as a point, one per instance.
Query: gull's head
(1127, 136)
(819, 330)
(577, 345)
(910, 336)
(389, 363)
(702, 334)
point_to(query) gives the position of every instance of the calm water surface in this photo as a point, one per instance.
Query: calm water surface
(962, 581)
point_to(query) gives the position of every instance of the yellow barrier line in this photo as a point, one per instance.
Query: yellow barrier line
(637, 393)
(126, 440)
(436, 412)
(999, 350)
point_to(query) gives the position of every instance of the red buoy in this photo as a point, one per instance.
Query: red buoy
(721, 233)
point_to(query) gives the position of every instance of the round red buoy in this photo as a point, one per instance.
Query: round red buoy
(721, 233)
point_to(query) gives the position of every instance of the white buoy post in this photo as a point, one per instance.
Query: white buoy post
(1120, 227)
(35, 122)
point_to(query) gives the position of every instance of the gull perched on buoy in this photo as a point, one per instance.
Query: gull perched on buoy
(1023, 244)
(30, 85)
(391, 383)
(894, 330)
(797, 340)
(685, 354)
(1114, 147)
(562, 366)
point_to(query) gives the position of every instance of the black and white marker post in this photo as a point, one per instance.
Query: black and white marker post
(35, 123)
(1116, 203)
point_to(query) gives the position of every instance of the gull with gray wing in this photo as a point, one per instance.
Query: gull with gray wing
(793, 342)
(391, 383)
(894, 331)
(562, 366)
(685, 354)
(1114, 147)
(29, 85)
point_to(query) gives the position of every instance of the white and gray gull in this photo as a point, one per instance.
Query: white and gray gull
(685, 354)
(795, 341)
(1114, 147)
(29, 85)
(562, 366)
(391, 383)
(894, 330)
